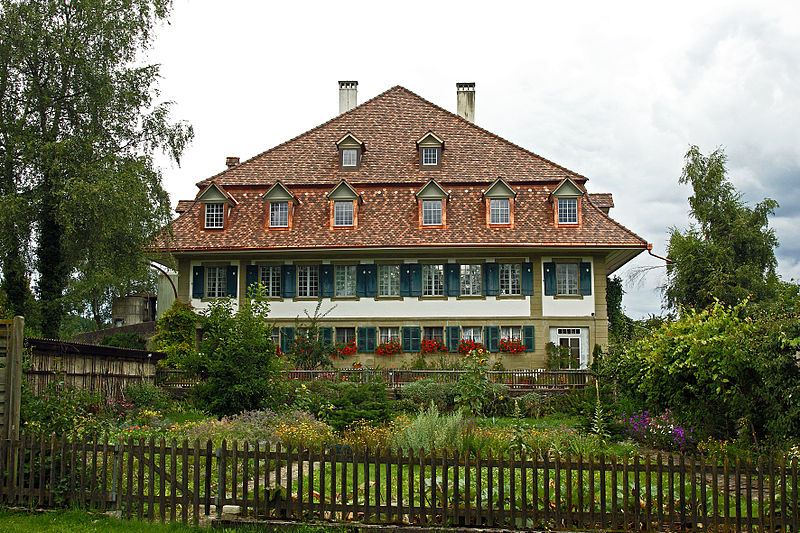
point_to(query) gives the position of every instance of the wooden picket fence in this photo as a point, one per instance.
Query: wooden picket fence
(186, 481)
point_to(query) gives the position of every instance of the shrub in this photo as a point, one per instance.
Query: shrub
(146, 395)
(559, 357)
(365, 438)
(659, 431)
(62, 410)
(342, 403)
(423, 392)
(130, 340)
(176, 334)
(475, 392)
(427, 432)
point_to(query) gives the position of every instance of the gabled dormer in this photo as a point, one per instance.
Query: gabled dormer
(567, 201)
(350, 151)
(343, 204)
(432, 205)
(430, 148)
(281, 205)
(499, 198)
(216, 207)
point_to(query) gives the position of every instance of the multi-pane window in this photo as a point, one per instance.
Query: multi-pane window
(567, 210)
(499, 211)
(431, 212)
(215, 215)
(471, 280)
(388, 280)
(345, 335)
(349, 157)
(276, 336)
(343, 213)
(471, 333)
(570, 339)
(430, 156)
(345, 280)
(279, 214)
(307, 280)
(432, 333)
(510, 332)
(270, 277)
(216, 282)
(510, 284)
(567, 279)
(389, 334)
(432, 280)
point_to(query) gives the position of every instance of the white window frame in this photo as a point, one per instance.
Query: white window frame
(276, 336)
(568, 279)
(499, 211)
(430, 156)
(270, 277)
(510, 279)
(216, 282)
(343, 215)
(567, 210)
(472, 333)
(431, 212)
(307, 281)
(345, 335)
(581, 334)
(349, 157)
(389, 280)
(511, 332)
(471, 280)
(388, 334)
(433, 279)
(279, 214)
(344, 281)
(215, 215)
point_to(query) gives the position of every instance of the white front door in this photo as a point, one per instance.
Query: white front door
(576, 340)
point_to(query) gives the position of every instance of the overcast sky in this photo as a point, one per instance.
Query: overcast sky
(615, 91)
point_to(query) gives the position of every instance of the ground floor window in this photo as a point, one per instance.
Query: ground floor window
(576, 341)
(471, 333)
(433, 333)
(345, 335)
(389, 335)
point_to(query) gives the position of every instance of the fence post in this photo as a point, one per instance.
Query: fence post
(220, 486)
(115, 478)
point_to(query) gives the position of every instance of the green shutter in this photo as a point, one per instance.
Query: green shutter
(453, 338)
(586, 279)
(371, 281)
(411, 338)
(549, 279)
(405, 280)
(366, 339)
(527, 338)
(452, 279)
(527, 279)
(232, 280)
(288, 289)
(287, 339)
(198, 277)
(361, 281)
(326, 334)
(251, 273)
(326, 281)
(416, 279)
(372, 335)
(491, 336)
(491, 279)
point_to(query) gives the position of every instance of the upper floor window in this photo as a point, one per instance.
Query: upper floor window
(388, 280)
(215, 215)
(500, 211)
(431, 212)
(343, 213)
(567, 279)
(270, 277)
(350, 151)
(350, 157)
(430, 156)
(430, 151)
(471, 280)
(433, 280)
(345, 281)
(279, 214)
(308, 281)
(567, 210)
(510, 279)
(216, 281)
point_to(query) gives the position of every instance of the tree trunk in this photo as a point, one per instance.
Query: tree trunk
(51, 262)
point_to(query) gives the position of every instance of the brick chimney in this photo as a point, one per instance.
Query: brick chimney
(465, 99)
(231, 161)
(347, 95)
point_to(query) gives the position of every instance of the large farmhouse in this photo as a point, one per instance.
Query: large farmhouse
(410, 223)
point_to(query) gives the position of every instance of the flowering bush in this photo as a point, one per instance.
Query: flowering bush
(468, 345)
(511, 345)
(659, 431)
(389, 348)
(348, 349)
(433, 346)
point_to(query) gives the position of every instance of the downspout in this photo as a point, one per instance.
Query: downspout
(665, 259)
(153, 265)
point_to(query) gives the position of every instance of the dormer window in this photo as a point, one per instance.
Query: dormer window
(279, 214)
(432, 201)
(567, 210)
(215, 215)
(500, 204)
(430, 156)
(281, 207)
(430, 151)
(344, 201)
(499, 211)
(350, 151)
(343, 213)
(567, 198)
(431, 212)
(216, 207)
(350, 157)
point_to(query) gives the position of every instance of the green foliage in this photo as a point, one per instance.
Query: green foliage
(340, 404)
(559, 357)
(429, 431)
(146, 394)
(62, 410)
(475, 392)
(129, 340)
(176, 334)
(237, 361)
(425, 392)
(728, 254)
(310, 351)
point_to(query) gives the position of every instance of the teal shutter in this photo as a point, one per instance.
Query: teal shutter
(287, 339)
(491, 336)
(527, 279)
(251, 278)
(491, 279)
(405, 280)
(549, 279)
(372, 338)
(586, 279)
(361, 281)
(326, 281)
(527, 338)
(366, 339)
(452, 279)
(232, 280)
(416, 279)
(370, 280)
(411, 338)
(288, 289)
(198, 277)
(453, 338)
(326, 334)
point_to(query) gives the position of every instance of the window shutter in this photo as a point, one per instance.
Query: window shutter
(251, 277)
(586, 279)
(287, 339)
(492, 337)
(372, 334)
(232, 281)
(527, 338)
(527, 279)
(452, 279)
(371, 281)
(405, 280)
(453, 338)
(491, 279)
(366, 339)
(361, 281)
(198, 277)
(326, 334)
(549, 279)
(326, 281)
(288, 289)
(411, 338)
(416, 279)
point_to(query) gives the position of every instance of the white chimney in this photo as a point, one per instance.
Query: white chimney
(347, 95)
(465, 96)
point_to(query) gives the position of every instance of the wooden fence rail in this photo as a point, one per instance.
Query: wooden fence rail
(171, 481)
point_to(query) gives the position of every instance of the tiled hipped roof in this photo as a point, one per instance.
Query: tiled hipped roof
(387, 179)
